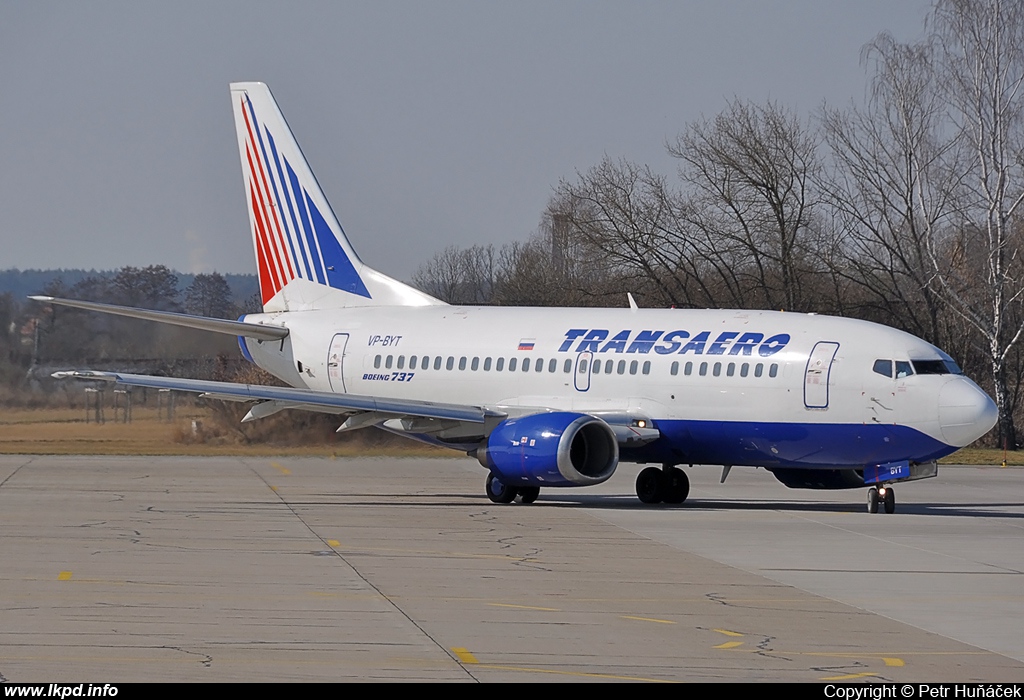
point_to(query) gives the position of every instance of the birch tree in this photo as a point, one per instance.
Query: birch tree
(977, 265)
(893, 185)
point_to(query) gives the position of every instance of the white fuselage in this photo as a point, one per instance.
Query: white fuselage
(739, 375)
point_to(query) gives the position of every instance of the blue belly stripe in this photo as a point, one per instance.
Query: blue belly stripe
(811, 445)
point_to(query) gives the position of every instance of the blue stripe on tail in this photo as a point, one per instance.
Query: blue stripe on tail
(340, 272)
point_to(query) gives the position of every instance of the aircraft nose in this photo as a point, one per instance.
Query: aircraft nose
(965, 412)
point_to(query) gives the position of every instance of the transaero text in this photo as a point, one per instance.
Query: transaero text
(677, 342)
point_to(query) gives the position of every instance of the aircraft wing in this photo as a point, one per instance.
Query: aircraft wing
(289, 397)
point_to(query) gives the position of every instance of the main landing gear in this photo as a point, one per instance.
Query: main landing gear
(668, 484)
(499, 492)
(884, 493)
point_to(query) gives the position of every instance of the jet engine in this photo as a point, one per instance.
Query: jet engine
(551, 449)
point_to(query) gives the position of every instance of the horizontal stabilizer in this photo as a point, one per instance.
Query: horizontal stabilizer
(204, 323)
(296, 398)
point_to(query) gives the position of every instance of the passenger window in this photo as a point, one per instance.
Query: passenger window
(773, 370)
(376, 362)
(437, 362)
(425, 362)
(731, 369)
(758, 369)
(462, 363)
(450, 364)
(388, 361)
(526, 364)
(538, 366)
(688, 369)
(500, 364)
(567, 367)
(487, 364)
(583, 366)
(412, 362)
(903, 369)
(647, 367)
(401, 362)
(717, 371)
(476, 364)
(744, 369)
(632, 366)
(609, 365)
(622, 367)
(674, 369)
(597, 367)
(512, 365)
(703, 369)
(552, 365)
(883, 367)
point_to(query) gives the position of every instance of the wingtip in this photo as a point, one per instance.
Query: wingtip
(84, 374)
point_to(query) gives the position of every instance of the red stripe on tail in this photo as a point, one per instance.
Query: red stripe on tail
(273, 257)
(281, 250)
(269, 286)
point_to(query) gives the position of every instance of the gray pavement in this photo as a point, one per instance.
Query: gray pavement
(258, 569)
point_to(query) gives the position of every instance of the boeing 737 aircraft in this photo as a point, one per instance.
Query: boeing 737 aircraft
(556, 397)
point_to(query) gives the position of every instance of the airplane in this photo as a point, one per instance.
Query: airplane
(558, 397)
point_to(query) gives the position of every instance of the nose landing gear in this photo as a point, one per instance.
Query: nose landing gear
(884, 494)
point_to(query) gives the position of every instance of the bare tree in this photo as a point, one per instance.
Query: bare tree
(750, 171)
(739, 232)
(459, 275)
(893, 185)
(623, 220)
(980, 73)
(153, 287)
(209, 295)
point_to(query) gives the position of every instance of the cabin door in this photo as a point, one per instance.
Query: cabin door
(816, 375)
(335, 360)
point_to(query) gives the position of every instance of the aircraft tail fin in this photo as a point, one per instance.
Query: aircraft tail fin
(303, 258)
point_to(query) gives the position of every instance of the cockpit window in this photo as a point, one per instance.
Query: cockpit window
(936, 367)
(906, 369)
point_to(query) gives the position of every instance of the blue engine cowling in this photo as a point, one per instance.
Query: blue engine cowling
(551, 449)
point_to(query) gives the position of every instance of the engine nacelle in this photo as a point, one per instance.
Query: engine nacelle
(551, 449)
(820, 478)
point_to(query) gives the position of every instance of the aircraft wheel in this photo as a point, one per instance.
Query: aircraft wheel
(872, 500)
(499, 492)
(889, 500)
(528, 494)
(650, 485)
(676, 485)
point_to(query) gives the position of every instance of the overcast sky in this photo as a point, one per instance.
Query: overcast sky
(428, 124)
